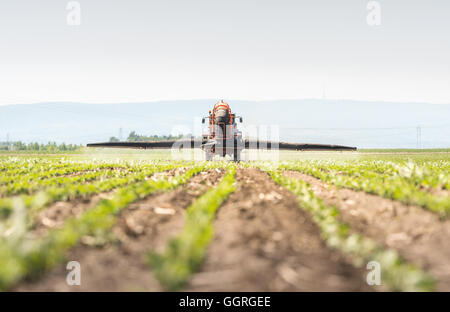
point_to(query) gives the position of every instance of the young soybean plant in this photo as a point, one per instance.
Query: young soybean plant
(399, 275)
(394, 186)
(185, 253)
(24, 258)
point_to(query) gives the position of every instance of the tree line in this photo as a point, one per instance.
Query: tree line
(54, 147)
(34, 146)
(134, 137)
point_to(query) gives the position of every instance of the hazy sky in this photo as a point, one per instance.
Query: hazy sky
(142, 50)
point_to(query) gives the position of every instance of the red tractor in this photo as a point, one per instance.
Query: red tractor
(223, 138)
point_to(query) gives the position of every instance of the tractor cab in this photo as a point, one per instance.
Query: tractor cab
(222, 122)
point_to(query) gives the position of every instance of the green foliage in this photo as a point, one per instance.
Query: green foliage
(24, 257)
(406, 181)
(35, 203)
(133, 137)
(29, 184)
(34, 146)
(185, 253)
(398, 275)
(404, 150)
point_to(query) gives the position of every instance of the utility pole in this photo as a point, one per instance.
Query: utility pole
(419, 137)
(7, 141)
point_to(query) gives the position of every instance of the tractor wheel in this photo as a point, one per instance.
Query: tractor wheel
(237, 156)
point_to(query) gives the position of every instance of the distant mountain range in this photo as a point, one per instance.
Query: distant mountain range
(356, 123)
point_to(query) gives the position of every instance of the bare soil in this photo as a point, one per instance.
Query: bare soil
(83, 172)
(57, 213)
(143, 226)
(265, 242)
(420, 236)
(439, 192)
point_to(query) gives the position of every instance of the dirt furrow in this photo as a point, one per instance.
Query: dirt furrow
(57, 213)
(420, 236)
(265, 242)
(121, 264)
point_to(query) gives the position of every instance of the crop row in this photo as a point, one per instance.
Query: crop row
(390, 186)
(40, 168)
(398, 275)
(11, 177)
(30, 186)
(432, 174)
(184, 253)
(24, 166)
(21, 257)
(37, 181)
(35, 203)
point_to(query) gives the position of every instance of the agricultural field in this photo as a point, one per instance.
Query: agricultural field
(142, 222)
